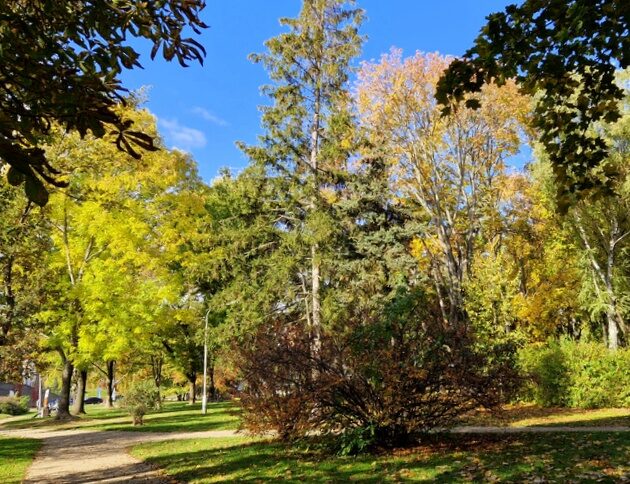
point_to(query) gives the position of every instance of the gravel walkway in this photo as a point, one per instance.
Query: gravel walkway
(84, 456)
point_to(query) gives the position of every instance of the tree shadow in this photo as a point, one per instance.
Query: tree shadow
(16, 448)
(443, 458)
(173, 417)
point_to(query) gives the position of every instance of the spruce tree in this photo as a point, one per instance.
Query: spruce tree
(304, 148)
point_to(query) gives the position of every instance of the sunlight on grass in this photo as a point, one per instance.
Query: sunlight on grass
(559, 457)
(526, 415)
(15, 457)
(174, 417)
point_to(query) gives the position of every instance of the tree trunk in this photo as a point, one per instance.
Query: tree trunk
(315, 265)
(9, 301)
(316, 303)
(192, 388)
(156, 368)
(110, 384)
(212, 388)
(63, 411)
(79, 405)
(613, 330)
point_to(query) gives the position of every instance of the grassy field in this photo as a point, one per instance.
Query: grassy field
(179, 416)
(15, 457)
(174, 417)
(482, 458)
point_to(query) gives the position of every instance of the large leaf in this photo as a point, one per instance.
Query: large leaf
(35, 191)
(15, 177)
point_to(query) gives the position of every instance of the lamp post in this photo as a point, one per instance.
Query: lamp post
(204, 399)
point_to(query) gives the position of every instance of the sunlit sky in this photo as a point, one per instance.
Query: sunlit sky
(205, 109)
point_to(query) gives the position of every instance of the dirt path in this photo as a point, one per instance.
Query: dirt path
(83, 456)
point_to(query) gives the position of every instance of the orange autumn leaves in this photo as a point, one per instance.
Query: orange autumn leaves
(449, 169)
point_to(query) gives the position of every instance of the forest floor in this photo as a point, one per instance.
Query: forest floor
(591, 445)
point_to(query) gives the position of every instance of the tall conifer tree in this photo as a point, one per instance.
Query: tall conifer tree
(302, 149)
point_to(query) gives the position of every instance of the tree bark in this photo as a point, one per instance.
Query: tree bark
(156, 368)
(612, 313)
(110, 384)
(613, 318)
(63, 411)
(7, 323)
(79, 399)
(192, 388)
(212, 388)
(315, 265)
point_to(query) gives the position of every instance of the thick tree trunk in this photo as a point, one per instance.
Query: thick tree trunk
(613, 330)
(63, 411)
(110, 383)
(79, 405)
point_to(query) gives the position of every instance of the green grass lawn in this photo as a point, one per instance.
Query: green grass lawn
(481, 458)
(15, 457)
(174, 417)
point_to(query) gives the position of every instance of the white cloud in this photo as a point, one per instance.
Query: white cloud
(208, 116)
(183, 137)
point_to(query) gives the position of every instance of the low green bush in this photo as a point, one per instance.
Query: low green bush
(547, 373)
(14, 405)
(576, 374)
(140, 399)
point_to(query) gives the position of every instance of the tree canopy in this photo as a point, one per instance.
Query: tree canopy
(60, 63)
(379, 269)
(565, 52)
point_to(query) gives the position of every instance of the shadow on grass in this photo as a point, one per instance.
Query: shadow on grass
(445, 458)
(173, 417)
(14, 448)
(175, 423)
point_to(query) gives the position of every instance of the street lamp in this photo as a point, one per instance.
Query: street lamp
(204, 399)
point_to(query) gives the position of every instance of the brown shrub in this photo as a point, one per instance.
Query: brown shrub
(398, 378)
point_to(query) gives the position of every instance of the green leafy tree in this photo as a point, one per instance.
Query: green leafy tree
(108, 280)
(61, 64)
(565, 52)
(24, 239)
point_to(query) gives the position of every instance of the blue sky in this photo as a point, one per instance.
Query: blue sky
(206, 109)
